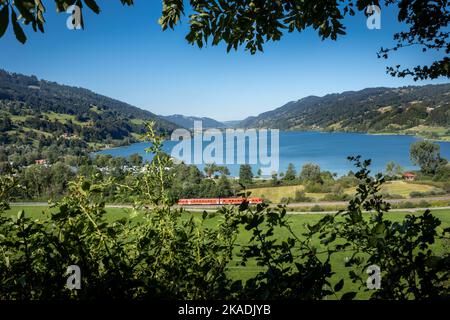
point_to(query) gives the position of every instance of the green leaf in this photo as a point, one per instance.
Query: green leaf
(348, 296)
(338, 287)
(92, 5)
(85, 186)
(432, 262)
(380, 228)
(20, 214)
(18, 31)
(217, 38)
(4, 20)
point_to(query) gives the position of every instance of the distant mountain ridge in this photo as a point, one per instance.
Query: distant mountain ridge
(406, 110)
(232, 123)
(188, 121)
(36, 109)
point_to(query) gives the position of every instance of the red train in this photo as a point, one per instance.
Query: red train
(218, 201)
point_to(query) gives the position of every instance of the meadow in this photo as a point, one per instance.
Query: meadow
(298, 223)
(397, 188)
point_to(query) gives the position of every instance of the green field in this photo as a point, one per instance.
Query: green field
(438, 133)
(65, 118)
(404, 188)
(275, 194)
(52, 116)
(401, 188)
(298, 223)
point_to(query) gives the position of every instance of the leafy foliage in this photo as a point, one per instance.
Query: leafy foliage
(428, 23)
(427, 155)
(167, 257)
(291, 173)
(402, 250)
(252, 23)
(245, 174)
(7, 185)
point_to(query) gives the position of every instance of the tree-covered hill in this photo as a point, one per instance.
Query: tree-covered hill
(42, 120)
(414, 109)
(50, 108)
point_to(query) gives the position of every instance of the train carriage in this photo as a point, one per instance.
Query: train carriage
(218, 201)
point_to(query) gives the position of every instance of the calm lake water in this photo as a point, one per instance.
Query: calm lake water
(329, 150)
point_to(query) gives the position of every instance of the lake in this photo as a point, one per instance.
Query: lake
(327, 149)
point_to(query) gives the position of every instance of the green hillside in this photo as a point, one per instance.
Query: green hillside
(418, 110)
(36, 115)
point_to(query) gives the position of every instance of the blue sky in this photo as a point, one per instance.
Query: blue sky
(122, 53)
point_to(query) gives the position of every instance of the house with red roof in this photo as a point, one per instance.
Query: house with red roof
(409, 176)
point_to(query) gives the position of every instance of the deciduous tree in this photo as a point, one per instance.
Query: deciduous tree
(427, 155)
(253, 23)
(245, 174)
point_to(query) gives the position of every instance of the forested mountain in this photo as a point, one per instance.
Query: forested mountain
(412, 109)
(59, 109)
(48, 121)
(188, 121)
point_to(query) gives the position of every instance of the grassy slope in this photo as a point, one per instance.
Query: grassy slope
(436, 133)
(274, 194)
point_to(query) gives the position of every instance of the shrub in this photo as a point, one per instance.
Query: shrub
(392, 196)
(424, 204)
(336, 197)
(446, 187)
(285, 200)
(434, 192)
(300, 196)
(265, 199)
(442, 174)
(348, 181)
(317, 188)
(438, 192)
(316, 208)
(406, 205)
(417, 194)
(167, 257)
